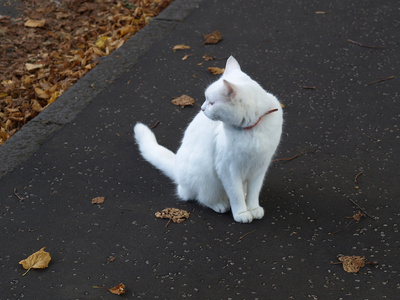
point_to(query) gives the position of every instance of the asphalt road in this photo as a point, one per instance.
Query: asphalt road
(341, 141)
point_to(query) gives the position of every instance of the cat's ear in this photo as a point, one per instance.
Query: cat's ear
(231, 64)
(230, 88)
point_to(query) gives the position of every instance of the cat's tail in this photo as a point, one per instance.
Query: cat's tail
(159, 156)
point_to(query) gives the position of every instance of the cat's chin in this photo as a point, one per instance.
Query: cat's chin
(212, 118)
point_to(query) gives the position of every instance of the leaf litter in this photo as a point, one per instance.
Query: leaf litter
(353, 263)
(175, 215)
(53, 44)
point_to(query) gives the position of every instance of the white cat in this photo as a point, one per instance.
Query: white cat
(226, 149)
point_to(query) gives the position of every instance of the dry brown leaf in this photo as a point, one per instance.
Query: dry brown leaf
(31, 67)
(352, 264)
(216, 71)
(207, 57)
(41, 93)
(358, 216)
(118, 290)
(98, 200)
(187, 56)
(183, 101)
(213, 37)
(38, 260)
(180, 47)
(35, 23)
(174, 214)
(36, 106)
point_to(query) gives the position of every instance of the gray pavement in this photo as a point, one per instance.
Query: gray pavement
(82, 147)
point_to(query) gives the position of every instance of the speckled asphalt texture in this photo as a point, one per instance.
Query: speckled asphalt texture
(341, 128)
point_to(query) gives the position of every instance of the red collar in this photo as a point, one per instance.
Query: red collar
(259, 119)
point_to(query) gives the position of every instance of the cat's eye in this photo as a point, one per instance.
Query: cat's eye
(211, 103)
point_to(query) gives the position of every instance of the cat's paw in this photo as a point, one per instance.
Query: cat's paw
(243, 217)
(257, 212)
(221, 207)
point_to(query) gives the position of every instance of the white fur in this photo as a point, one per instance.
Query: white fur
(221, 164)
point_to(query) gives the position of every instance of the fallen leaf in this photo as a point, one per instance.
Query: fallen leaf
(207, 57)
(216, 71)
(213, 37)
(352, 264)
(187, 56)
(31, 67)
(36, 106)
(52, 98)
(41, 93)
(118, 290)
(35, 23)
(183, 101)
(358, 216)
(180, 47)
(38, 260)
(127, 29)
(282, 105)
(111, 259)
(98, 200)
(101, 41)
(174, 214)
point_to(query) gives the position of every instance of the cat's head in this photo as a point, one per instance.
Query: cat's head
(225, 98)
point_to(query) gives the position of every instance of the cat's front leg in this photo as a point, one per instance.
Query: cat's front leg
(253, 192)
(234, 188)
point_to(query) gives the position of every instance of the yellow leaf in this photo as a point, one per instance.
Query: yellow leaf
(35, 23)
(2, 95)
(282, 105)
(38, 260)
(52, 98)
(180, 47)
(101, 41)
(127, 29)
